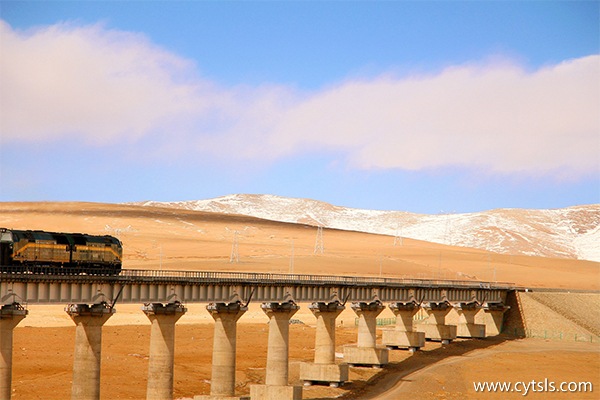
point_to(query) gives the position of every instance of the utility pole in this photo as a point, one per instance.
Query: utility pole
(292, 259)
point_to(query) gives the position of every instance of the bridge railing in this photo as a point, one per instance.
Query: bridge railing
(306, 279)
(159, 275)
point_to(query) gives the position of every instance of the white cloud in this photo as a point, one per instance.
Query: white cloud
(106, 86)
(500, 118)
(95, 84)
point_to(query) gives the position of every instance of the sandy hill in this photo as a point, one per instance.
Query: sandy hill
(572, 232)
(182, 239)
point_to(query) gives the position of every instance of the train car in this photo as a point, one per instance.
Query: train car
(53, 252)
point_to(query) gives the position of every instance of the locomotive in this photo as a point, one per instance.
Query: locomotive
(62, 253)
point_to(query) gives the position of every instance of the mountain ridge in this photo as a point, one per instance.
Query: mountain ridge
(572, 232)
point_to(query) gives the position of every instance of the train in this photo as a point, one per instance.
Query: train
(34, 251)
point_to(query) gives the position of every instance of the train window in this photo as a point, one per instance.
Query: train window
(60, 238)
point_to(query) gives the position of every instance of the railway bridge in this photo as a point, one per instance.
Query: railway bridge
(90, 300)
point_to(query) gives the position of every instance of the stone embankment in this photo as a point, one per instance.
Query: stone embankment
(556, 315)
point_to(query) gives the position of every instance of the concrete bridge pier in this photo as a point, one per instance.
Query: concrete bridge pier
(493, 317)
(435, 327)
(466, 327)
(162, 344)
(276, 381)
(366, 352)
(226, 315)
(89, 320)
(324, 369)
(403, 334)
(10, 316)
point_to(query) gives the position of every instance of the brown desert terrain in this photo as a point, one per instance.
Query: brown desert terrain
(155, 238)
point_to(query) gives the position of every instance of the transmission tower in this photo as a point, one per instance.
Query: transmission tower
(319, 248)
(235, 254)
(398, 240)
(398, 237)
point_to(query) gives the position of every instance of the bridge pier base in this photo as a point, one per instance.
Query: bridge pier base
(366, 352)
(226, 315)
(324, 369)
(10, 316)
(276, 381)
(403, 335)
(89, 320)
(493, 318)
(162, 344)
(435, 327)
(466, 327)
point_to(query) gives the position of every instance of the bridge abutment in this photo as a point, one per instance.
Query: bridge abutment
(324, 369)
(276, 380)
(10, 316)
(222, 384)
(89, 320)
(435, 327)
(403, 334)
(366, 352)
(162, 344)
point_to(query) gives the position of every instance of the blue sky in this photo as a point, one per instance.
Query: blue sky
(418, 106)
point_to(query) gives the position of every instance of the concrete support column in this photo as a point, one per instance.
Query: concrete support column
(494, 317)
(326, 314)
(403, 334)
(226, 315)
(367, 322)
(88, 348)
(276, 381)
(435, 327)
(278, 348)
(324, 368)
(467, 328)
(162, 344)
(10, 316)
(366, 351)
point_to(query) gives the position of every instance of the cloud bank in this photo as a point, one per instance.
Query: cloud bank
(103, 87)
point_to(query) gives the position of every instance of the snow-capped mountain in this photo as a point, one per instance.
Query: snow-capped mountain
(572, 232)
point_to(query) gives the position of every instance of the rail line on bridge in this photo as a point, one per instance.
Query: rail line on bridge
(210, 286)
